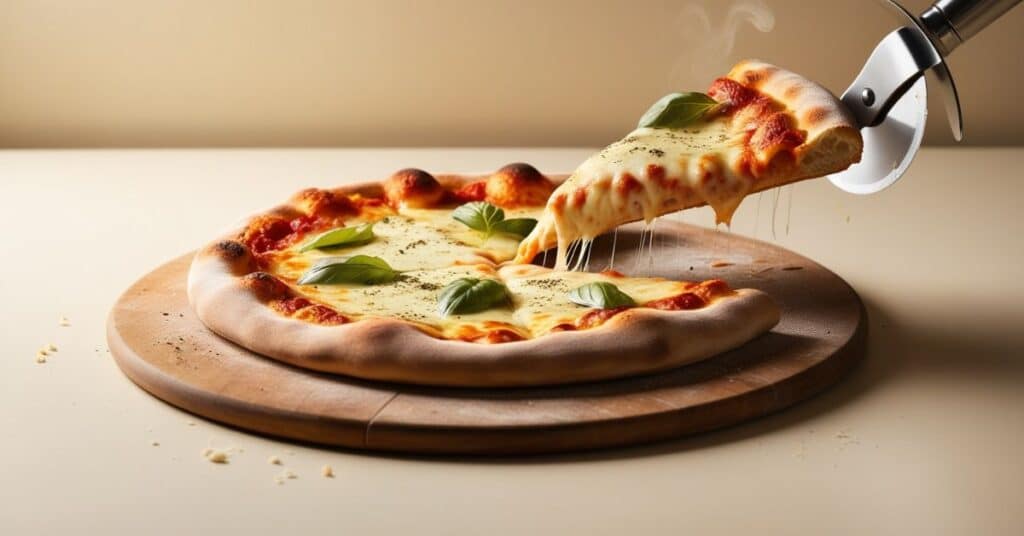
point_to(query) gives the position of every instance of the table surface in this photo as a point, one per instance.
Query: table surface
(924, 437)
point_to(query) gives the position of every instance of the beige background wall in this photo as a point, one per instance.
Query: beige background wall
(428, 73)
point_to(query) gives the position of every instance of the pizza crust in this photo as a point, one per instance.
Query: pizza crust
(833, 141)
(635, 341)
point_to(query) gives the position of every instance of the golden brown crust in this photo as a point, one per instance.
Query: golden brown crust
(832, 140)
(518, 185)
(413, 188)
(233, 305)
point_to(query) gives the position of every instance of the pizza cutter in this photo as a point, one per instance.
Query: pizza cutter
(889, 98)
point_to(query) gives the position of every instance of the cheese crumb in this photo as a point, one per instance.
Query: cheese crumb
(274, 460)
(327, 471)
(64, 322)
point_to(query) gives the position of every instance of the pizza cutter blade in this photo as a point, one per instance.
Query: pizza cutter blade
(889, 98)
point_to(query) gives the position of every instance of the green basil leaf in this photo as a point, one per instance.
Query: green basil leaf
(601, 295)
(471, 295)
(361, 269)
(342, 236)
(516, 226)
(677, 110)
(479, 216)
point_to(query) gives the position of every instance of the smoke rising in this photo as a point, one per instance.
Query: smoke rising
(707, 47)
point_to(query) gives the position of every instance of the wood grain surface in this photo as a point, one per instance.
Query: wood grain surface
(160, 345)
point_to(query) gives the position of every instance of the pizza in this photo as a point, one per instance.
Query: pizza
(409, 279)
(433, 279)
(757, 128)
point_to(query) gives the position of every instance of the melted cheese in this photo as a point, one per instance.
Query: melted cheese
(432, 250)
(647, 173)
(413, 239)
(541, 296)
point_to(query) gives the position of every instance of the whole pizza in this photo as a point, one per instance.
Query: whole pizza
(436, 278)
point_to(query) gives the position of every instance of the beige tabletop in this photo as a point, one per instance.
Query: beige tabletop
(924, 438)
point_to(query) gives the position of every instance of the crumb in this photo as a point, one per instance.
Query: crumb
(51, 347)
(64, 322)
(155, 443)
(216, 456)
(190, 423)
(40, 357)
(274, 460)
(290, 475)
(279, 480)
(327, 471)
(847, 219)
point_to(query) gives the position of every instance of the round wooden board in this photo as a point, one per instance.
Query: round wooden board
(161, 345)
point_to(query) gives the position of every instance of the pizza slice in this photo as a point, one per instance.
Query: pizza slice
(759, 127)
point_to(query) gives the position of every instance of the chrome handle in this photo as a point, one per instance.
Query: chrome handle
(952, 22)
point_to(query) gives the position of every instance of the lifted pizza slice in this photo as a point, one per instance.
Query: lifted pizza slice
(759, 127)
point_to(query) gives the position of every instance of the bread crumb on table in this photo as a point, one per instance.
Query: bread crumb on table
(216, 455)
(327, 471)
(40, 357)
(155, 443)
(51, 347)
(64, 322)
(274, 460)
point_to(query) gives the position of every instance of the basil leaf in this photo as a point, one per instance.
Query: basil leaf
(516, 226)
(342, 236)
(361, 269)
(677, 110)
(479, 216)
(601, 295)
(471, 295)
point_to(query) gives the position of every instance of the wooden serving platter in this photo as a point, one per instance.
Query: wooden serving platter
(160, 344)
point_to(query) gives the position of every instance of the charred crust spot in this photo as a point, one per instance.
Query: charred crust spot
(230, 250)
(522, 172)
(518, 184)
(414, 187)
(265, 286)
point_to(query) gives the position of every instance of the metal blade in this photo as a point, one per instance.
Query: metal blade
(889, 147)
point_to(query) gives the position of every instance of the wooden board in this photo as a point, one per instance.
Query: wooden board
(160, 344)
